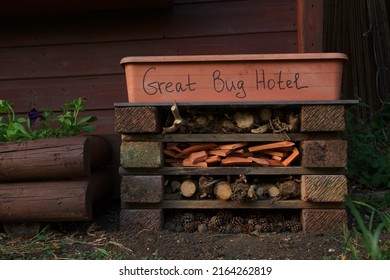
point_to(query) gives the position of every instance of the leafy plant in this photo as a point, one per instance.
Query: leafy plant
(369, 233)
(369, 148)
(67, 123)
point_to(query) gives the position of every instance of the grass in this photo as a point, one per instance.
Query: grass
(47, 245)
(363, 241)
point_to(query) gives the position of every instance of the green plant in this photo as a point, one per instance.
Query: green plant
(67, 123)
(369, 148)
(369, 233)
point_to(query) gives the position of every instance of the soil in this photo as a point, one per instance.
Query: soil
(83, 240)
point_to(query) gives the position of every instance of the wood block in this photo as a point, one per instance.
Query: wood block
(137, 120)
(324, 153)
(141, 154)
(139, 219)
(323, 188)
(322, 220)
(143, 189)
(322, 118)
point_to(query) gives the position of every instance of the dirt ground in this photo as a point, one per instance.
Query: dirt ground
(103, 239)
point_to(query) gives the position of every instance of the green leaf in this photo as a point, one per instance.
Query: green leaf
(88, 128)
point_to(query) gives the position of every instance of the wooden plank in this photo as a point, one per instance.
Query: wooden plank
(310, 25)
(316, 118)
(324, 188)
(138, 120)
(45, 7)
(141, 154)
(324, 153)
(267, 137)
(142, 189)
(79, 61)
(208, 19)
(267, 104)
(291, 170)
(100, 91)
(323, 220)
(140, 219)
(218, 204)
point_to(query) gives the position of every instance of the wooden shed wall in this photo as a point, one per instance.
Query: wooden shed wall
(48, 60)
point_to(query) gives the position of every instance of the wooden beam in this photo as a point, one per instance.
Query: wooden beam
(291, 170)
(219, 204)
(310, 25)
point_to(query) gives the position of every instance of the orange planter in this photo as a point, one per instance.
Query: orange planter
(234, 78)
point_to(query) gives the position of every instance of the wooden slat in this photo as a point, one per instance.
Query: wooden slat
(215, 204)
(309, 22)
(208, 19)
(44, 7)
(291, 170)
(267, 137)
(62, 61)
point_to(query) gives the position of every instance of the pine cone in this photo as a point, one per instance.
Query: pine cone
(237, 221)
(296, 226)
(250, 225)
(264, 225)
(226, 216)
(215, 223)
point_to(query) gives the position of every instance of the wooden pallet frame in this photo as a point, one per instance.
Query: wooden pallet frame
(315, 128)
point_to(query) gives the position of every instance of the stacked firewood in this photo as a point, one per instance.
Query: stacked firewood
(230, 222)
(226, 188)
(281, 153)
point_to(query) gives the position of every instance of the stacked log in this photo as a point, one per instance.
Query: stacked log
(55, 179)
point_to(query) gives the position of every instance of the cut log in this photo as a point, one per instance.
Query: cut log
(223, 190)
(273, 192)
(206, 186)
(188, 188)
(50, 201)
(252, 192)
(288, 189)
(270, 146)
(244, 120)
(265, 115)
(52, 158)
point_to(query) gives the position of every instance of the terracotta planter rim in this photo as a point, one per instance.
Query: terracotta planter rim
(238, 57)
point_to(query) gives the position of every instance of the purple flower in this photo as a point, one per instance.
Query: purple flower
(33, 115)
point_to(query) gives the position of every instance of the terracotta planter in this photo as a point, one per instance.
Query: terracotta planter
(234, 78)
